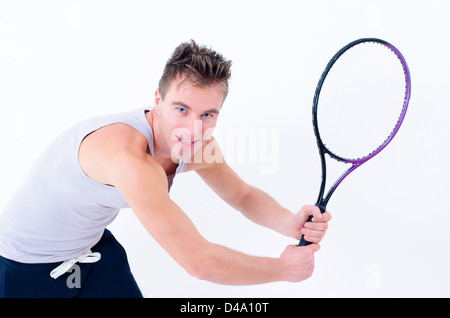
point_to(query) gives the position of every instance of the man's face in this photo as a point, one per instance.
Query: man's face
(187, 116)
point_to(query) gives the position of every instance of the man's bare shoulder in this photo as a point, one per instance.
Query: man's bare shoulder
(101, 148)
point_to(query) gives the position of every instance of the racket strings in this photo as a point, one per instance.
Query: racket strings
(361, 100)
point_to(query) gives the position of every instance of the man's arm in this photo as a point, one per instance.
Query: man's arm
(122, 162)
(143, 183)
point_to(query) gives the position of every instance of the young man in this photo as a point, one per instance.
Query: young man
(55, 225)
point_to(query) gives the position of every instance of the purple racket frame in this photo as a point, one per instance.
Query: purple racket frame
(322, 200)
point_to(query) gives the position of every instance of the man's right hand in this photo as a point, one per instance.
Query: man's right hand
(298, 262)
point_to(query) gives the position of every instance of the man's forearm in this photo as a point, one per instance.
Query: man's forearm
(225, 266)
(262, 209)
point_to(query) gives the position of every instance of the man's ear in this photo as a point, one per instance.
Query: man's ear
(158, 99)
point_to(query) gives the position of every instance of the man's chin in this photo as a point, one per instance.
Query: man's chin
(187, 154)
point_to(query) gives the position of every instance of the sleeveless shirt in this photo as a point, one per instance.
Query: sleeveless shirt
(58, 212)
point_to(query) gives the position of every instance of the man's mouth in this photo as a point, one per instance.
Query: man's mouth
(186, 141)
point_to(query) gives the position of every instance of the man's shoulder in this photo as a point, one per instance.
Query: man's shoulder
(101, 150)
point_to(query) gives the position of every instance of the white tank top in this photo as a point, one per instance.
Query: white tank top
(59, 213)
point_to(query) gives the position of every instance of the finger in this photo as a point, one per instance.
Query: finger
(310, 210)
(313, 247)
(313, 233)
(317, 215)
(313, 239)
(318, 226)
(324, 217)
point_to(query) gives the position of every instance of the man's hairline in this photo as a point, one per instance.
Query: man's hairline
(186, 81)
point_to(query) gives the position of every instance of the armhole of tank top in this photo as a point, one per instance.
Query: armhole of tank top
(77, 151)
(77, 161)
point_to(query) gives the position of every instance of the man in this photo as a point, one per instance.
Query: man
(56, 222)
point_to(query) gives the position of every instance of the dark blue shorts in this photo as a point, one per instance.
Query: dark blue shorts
(108, 277)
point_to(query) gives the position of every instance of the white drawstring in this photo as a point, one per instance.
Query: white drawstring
(87, 257)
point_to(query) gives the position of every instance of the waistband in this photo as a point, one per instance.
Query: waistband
(107, 235)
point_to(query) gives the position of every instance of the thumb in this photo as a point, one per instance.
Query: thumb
(313, 247)
(310, 210)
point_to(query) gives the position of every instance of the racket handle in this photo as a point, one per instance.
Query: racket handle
(303, 242)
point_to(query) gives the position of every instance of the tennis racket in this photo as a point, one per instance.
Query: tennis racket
(359, 105)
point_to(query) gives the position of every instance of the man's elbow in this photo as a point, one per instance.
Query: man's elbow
(204, 267)
(199, 271)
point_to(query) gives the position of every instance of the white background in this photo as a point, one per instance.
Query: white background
(63, 61)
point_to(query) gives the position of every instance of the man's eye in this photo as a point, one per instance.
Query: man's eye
(207, 115)
(181, 110)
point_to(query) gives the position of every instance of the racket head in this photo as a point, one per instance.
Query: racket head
(386, 56)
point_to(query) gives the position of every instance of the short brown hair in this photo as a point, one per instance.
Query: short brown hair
(202, 66)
